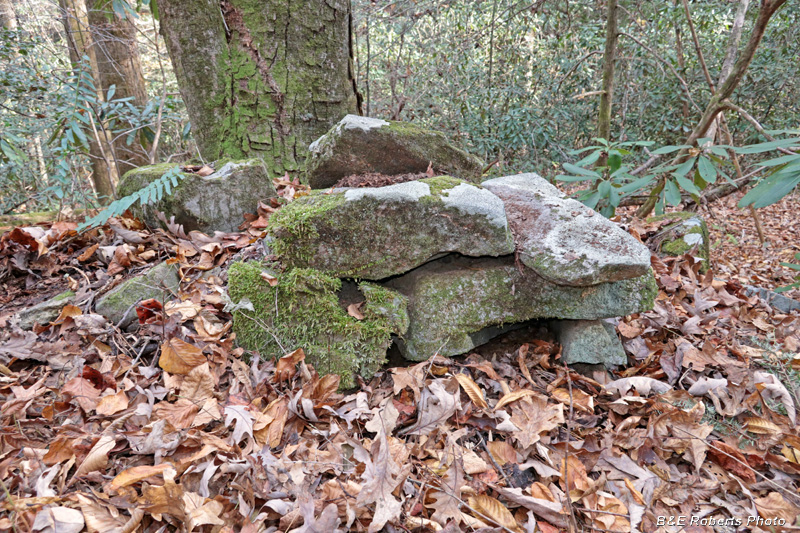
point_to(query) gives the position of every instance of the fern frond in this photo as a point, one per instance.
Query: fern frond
(149, 194)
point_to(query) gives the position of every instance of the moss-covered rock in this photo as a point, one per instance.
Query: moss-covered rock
(590, 342)
(159, 282)
(359, 145)
(684, 233)
(304, 311)
(380, 232)
(205, 203)
(453, 300)
(46, 311)
(564, 241)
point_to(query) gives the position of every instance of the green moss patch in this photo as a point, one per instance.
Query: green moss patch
(303, 311)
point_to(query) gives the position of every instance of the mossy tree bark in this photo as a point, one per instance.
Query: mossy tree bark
(79, 44)
(117, 55)
(261, 78)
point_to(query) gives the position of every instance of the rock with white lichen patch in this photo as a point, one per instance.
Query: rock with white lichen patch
(564, 241)
(360, 145)
(381, 232)
(216, 202)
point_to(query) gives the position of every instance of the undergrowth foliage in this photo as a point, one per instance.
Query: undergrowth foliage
(149, 194)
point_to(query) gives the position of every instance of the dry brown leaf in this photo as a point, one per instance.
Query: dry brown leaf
(112, 403)
(761, 426)
(502, 452)
(198, 385)
(269, 278)
(775, 507)
(97, 458)
(513, 397)
(580, 400)
(287, 365)
(354, 310)
(180, 357)
(135, 474)
(486, 507)
(473, 391)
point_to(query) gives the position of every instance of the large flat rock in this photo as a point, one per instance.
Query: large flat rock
(211, 203)
(381, 232)
(457, 303)
(564, 241)
(360, 145)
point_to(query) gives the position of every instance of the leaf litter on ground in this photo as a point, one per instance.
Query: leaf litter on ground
(172, 427)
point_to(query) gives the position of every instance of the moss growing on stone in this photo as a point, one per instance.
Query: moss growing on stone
(688, 234)
(358, 145)
(375, 233)
(205, 203)
(303, 311)
(453, 300)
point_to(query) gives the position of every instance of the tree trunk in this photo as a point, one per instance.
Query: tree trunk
(79, 43)
(8, 19)
(261, 78)
(609, 63)
(117, 54)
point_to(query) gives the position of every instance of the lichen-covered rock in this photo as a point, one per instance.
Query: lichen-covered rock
(589, 341)
(206, 203)
(46, 311)
(304, 310)
(453, 300)
(685, 233)
(359, 145)
(564, 241)
(159, 282)
(380, 232)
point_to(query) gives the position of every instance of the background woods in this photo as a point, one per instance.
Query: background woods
(521, 84)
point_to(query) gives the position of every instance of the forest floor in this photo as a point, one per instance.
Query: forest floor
(701, 426)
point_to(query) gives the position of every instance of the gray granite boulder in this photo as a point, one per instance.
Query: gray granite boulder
(453, 300)
(118, 304)
(564, 241)
(45, 312)
(375, 233)
(216, 202)
(590, 342)
(360, 145)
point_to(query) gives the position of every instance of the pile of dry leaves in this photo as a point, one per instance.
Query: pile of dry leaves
(174, 428)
